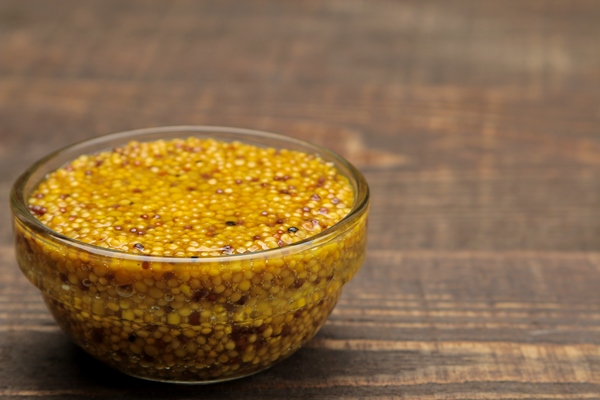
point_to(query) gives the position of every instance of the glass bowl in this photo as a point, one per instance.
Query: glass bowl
(168, 318)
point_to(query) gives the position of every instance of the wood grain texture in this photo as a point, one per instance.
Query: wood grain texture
(475, 123)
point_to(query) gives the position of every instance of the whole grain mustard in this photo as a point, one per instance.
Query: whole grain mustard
(194, 197)
(191, 320)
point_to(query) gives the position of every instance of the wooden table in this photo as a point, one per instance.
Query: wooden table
(476, 124)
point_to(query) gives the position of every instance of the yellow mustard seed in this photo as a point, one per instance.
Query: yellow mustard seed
(192, 198)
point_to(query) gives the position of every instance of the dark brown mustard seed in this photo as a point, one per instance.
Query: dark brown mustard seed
(39, 196)
(315, 197)
(144, 216)
(136, 191)
(286, 330)
(335, 200)
(230, 223)
(239, 181)
(219, 191)
(133, 230)
(139, 246)
(118, 227)
(38, 210)
(194, 318)
(62, 209)
(264, 213)
(323, 210)
(199, 295)
(292, 229)
(306, 209)
(227, 249)
(145, 265)
(167, 309)
(188, 227)
(256, 237)
(280, 221)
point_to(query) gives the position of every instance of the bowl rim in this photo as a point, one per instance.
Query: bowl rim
(21, 212)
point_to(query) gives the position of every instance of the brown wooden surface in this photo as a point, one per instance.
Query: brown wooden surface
(476, 123)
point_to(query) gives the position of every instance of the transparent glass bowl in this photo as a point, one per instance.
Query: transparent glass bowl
(185, 330)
